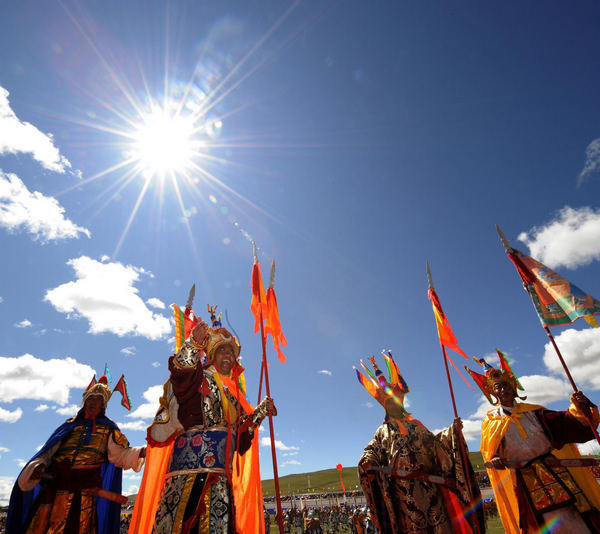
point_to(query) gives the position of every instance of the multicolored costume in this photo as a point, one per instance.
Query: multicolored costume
(413, 481)
(201, 455)
(534, 490)
(83, 460)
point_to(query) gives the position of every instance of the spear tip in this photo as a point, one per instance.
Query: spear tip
(190, 299)
(254, 252)
(429, 278)
(272, 275)
(507, 246)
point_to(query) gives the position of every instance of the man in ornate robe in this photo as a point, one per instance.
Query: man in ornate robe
(414, 481)
(58, 490)
(520, 443)
(197, 440)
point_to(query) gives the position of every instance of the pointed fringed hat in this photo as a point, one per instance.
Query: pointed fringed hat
(493, 376)
(98, 387)
(101, 387)
(380, 388)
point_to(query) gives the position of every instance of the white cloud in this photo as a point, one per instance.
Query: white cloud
(266, 442)
(581, 351)
(290, 462)
(23, 324)
(4, 449)
(105, 295)
(41, 216)
(6, 485)
(572, 239)
(28, 377)
(134, 425)
(104, 258)
(368, 404)
(592, 161)
(69, 410)
(293, 453)
(324, 372)
(589, 447)
(1, 300)
(148, 409)
(17, 136)
(7, 416)
(155, 364)
(128, 351)
(42, 408)
(132, 490)
(156, 303)
(543, 390)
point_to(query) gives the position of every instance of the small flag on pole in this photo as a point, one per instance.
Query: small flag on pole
(121, 387)
(273, 324)
(258, 304)
(107, 373)
(445, 334)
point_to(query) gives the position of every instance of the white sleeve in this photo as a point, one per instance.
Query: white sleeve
(124, 457)
(26, 483)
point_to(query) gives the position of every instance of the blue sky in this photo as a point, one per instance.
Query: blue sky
(353, 141)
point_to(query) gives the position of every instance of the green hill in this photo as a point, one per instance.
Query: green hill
(329, 479)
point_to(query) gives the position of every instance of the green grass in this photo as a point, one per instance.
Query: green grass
(320, 481)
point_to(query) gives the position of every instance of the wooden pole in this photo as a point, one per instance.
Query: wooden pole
(509, 250)
(463, 452)
(265, 368)
(568, 373)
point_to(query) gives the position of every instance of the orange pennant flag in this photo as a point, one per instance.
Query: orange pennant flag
(258, 305)
(273, 325)
(447, 337)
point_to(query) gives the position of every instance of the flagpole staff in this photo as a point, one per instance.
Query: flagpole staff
(444, 355)
(463, 453)
(509, 250)
(264, 368)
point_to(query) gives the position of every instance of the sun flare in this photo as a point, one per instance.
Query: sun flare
(165, 143)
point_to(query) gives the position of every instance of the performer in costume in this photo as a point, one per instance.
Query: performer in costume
(58, 490)
(521, 443)
(413, 481)
(190, 484)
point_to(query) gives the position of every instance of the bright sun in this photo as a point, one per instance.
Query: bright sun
(165, 143)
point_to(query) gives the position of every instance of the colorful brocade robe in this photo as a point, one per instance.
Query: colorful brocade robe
(539, 494)
(80, 458)
(411, 505)
(199, 445)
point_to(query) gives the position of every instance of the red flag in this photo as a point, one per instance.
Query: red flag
(339, 468)
(92, 382)
(447, 337)
(258, 305)
(273, 324)
(121, 387)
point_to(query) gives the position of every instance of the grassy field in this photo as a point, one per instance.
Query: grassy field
(329, 480)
